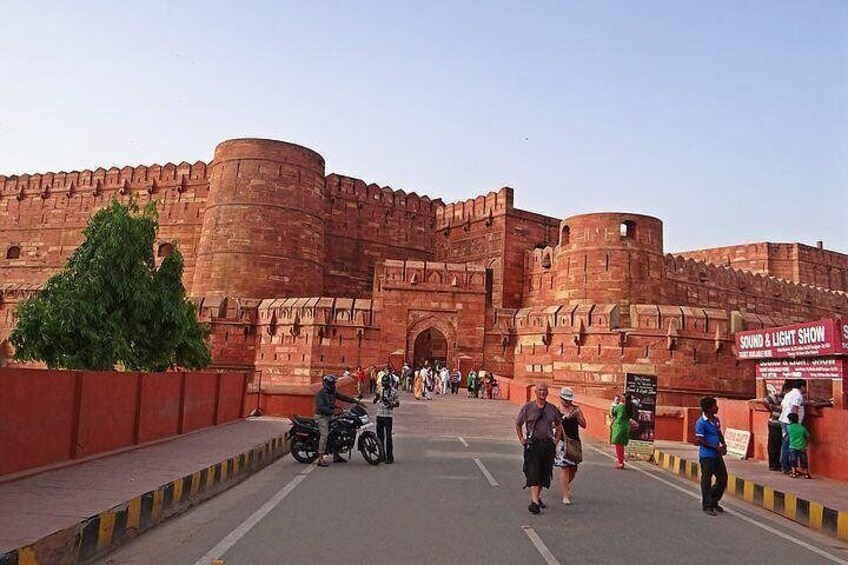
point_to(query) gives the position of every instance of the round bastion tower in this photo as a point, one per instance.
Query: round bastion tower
(263, 226)
(610, 258)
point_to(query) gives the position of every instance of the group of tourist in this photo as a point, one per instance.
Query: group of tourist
(787, 436)
(550, 434)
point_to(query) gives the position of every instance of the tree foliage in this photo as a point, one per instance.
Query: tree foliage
(111, 306)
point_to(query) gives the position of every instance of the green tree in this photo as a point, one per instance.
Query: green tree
(111, 306)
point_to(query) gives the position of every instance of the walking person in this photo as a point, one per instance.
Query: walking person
(455, 379)
(429, 383)
(418, 384)
(360, 380)
(538, 429)
(472, 383)
(325, 407)
(444, 380)
(569, 452)
(372, 381)
(621, 415)
(406, 377)
(388, 401)
(711, 452)
(792, 403)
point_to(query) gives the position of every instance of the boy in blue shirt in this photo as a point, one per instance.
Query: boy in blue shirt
(712, 449)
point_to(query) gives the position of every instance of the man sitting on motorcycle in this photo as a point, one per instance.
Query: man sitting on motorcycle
(325, 408)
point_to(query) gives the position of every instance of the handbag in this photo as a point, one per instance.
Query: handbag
(634, 425)
(573, 449)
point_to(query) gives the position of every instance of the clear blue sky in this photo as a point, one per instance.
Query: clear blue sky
(726, 119)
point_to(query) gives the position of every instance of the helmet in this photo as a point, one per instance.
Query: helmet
(386, 381)
(330, 383)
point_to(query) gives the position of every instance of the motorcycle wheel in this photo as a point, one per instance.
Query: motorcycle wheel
(304, 453)
(371, 449)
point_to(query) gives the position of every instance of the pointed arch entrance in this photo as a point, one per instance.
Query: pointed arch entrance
(430, 345)
(431, 339)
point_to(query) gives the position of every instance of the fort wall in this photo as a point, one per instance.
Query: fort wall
(795, 262)
(488, 231)
(365, 223)
(43, 215)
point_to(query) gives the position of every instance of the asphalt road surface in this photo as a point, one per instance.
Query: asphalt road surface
(454, 496)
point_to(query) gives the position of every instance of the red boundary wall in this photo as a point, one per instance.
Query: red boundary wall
(51, 416)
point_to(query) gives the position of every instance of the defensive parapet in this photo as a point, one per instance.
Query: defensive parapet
(610, 258)
(484, 207)
(142, 179)
(263, 227)
(42, 215)
(696, 283)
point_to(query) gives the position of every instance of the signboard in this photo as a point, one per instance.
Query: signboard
(643, 389)
(737, 442)
(826, 368)
(811, 339)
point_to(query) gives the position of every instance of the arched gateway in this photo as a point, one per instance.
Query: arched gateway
(431, 339)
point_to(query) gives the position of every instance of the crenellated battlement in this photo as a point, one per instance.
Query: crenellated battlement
(315, 311)
(704, 273)
(350, 188)
(494, 203)
(432, 276)
(149, 179)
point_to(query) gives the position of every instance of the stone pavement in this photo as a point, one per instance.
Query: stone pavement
(54, 501)
(819, 503)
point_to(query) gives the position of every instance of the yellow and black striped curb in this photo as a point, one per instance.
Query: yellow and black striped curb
(99, 533)
(805, 512)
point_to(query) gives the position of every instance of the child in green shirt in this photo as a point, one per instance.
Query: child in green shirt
(798, 437)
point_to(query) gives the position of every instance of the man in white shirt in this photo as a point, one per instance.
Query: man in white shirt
(792, 403)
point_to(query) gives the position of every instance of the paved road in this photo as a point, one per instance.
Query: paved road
(436, 505)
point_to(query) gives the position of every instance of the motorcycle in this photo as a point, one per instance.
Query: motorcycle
(351, 427)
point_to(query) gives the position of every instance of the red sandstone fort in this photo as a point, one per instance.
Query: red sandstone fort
(299, 273)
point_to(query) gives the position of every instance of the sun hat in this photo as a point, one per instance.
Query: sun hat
(566, 393)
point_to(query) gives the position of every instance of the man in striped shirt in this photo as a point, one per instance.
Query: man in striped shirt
(387, 401)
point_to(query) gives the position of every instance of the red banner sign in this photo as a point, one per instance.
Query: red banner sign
(811, 339)
(809, 369)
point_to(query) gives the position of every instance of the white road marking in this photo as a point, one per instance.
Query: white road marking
(753, 522)
(232, 538)
(486, 473)
(540, 546)
(462, 441)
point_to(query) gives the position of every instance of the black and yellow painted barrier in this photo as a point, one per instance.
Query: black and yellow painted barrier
(805, 512)
(101, 532)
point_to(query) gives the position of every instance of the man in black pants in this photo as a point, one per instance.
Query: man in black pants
(709, 437)
(775, 434)
(388, 401)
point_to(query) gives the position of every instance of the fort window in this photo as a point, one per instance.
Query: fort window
(164, 250)
(627, 229)
(14, 252)
(546, 262)
(565, 236)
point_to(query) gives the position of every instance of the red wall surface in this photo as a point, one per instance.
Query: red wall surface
(51, 416)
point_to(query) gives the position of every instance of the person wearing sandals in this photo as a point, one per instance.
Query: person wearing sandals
(569, 452)
(538, 427)
(798, 437)
(621, 414)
